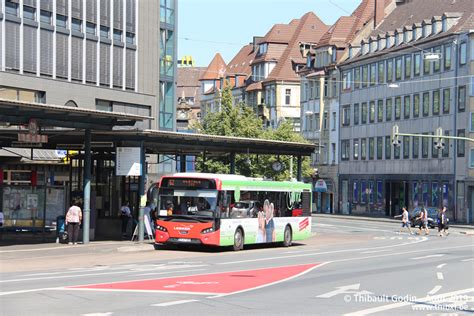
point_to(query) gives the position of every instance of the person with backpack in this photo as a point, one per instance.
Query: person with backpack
(423, 217)
(443, 222)
(73, 220)
(405, 220)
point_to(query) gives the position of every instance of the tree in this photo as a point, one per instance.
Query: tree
(240, 120)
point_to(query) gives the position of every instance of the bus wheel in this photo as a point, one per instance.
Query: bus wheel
(287, 236)
(238, 240)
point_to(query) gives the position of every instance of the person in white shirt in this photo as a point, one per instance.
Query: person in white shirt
(405, 220)
(73, 221)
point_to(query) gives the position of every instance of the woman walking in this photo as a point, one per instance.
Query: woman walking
(73, 221)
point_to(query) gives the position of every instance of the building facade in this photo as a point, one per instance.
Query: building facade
(117, 56)
(416, 75)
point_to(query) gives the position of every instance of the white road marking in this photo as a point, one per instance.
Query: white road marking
(435, 290)
(156, 273)
(324, 225)
(427, 299)
(347, 289)
(24, 291)
(426, 257)
(174, 303)
(98, 314)
(466, 260)
(132, 291)
(439, 275)
(59, 247)
(440, 265)
(325, 253)
(374, 251)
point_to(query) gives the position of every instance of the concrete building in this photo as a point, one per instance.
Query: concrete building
(415, 71)
(188, 92)
(117, 56)
(320, 86)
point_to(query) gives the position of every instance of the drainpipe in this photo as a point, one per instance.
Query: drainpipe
(456, 104)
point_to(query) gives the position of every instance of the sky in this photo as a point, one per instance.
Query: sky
(207, 27)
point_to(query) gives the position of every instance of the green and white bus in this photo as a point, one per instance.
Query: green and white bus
(230, 210)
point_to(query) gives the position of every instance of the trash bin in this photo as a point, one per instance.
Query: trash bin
(61, 232)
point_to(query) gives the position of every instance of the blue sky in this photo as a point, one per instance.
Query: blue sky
(206, 27)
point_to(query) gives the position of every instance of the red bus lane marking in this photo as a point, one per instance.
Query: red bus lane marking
(213, 284)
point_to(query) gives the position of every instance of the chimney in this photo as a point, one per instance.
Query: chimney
(379, 12)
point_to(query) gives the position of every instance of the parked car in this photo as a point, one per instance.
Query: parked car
(432, 216)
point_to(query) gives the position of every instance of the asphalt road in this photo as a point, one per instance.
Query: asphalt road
(348, 267)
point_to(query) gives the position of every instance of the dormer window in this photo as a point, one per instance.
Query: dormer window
(434, 28)
(364, 48)
(262, 48)
(413, 34)
(351, 52)
(397, 39)
(444, 24)
(426, 30)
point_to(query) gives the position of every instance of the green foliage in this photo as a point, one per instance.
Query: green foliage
(240, 120)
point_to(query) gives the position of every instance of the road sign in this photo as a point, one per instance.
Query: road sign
(128, 161)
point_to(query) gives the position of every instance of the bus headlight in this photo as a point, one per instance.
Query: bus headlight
(161, 228)
(207, 230)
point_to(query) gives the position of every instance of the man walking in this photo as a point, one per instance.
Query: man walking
(405, 220)
(423, 217)
(443, 222)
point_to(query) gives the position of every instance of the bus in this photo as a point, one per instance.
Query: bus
(230, 210)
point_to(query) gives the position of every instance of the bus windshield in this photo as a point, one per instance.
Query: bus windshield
(188, 203)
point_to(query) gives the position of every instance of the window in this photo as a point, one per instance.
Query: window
(388, 110)
(416, 105)
(424, 146)
(357, 78)
(364, 113)
(426, 66)
(461, 145)
(371, 148)
(471, 158)
(380, 111)
(388, 148)
(346, 116)
(29, 13)
(103, 105)
(434, 151)
(365, 75)
(372, 111)
(396, 152)
(398, 68)
(379, 148)
(426, 103)
(90, 28)
(446, 100)
(416, 147)
(381, 67)
(373, 73)
(11, 8)
(45, 17)
(407, 66)
(355, 192)
(76, 25)
(437, 63)
(462, 98)
(406, 147)
(417, 64)
(61, 20)
(398, 108)
(130, 38)
(462, 53)
(447, 57)
(389, 70)
(356, 149)
(346, 80)
(334, 120)
(117, 35)
(363, 149)
(445, 151)
(104, 31)
(436, 102)
(167, 11)
(287, 96)
(471, 125)
(406, 107)
(356, 113)
(345, 149)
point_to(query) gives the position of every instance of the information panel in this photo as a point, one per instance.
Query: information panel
(128, 161)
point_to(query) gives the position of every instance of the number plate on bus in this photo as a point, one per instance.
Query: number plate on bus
(184, 239)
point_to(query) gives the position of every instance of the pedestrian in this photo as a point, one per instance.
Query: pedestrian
(443, 222)
(405, 220)
(73, 221)
(423, 217)
(1, 218)
(125, 215)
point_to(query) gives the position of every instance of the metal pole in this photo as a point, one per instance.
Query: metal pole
(87, 187)
(141, 193)
(232, 163)
(182, 163)
(298, 169)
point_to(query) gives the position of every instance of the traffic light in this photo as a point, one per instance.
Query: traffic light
(439, 141)
(395, 138)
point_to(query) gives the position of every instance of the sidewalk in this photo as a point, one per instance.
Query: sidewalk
(466, 229)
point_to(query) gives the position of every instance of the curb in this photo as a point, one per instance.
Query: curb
(136, 248)
(469, 233)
